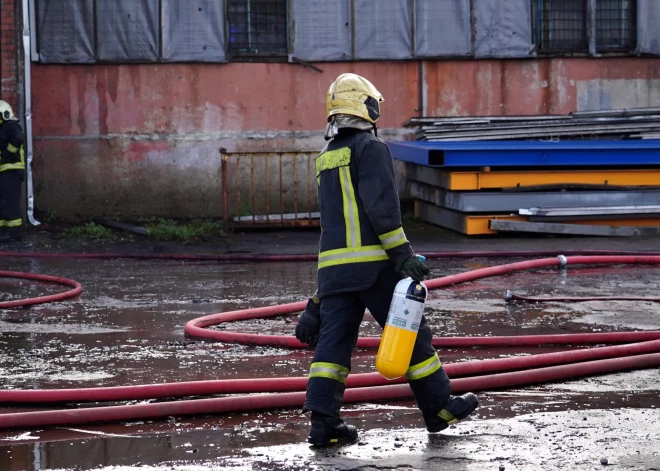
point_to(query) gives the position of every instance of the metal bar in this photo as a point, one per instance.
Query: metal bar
(254, 209)
(29, 147)
(266, 187)
(598, 153)
(431, 120)
(572, 117)
(281, 191)
(225, 191)
(123, 226)
(475, 180)
(459, 222)
(590, 211)
(487, 201)
(543, 131)
(648, 220)
(479, 127)
(572, 229)
(309, 183)
(239, 209)
(277, 217)
(617, 113)
(295, 186)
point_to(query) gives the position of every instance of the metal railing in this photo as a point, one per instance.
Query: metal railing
(269, 189)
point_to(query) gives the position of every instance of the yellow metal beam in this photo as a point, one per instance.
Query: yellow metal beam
(458, 221)
(478, 225)
(468, 181)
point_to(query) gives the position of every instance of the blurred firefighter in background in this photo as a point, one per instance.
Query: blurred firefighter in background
(12, 174)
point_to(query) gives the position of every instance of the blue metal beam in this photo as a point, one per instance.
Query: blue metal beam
(624, 153)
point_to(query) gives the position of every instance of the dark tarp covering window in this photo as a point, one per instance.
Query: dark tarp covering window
(85, 31)
(648, 26)
(193, 31)
(503, 28)
(65, 31)
(382, 29)
(128, 30)
(442, 28)
(322, 30)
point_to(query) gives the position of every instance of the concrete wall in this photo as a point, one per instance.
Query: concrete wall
(142, 140)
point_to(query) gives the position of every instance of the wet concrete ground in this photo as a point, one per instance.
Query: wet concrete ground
(127, 328)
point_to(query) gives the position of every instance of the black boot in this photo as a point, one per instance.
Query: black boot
(328, 430)
(16, 234)
(458, 408)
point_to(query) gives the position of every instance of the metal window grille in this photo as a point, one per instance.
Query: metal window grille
(562, 26)
(616, 25)
(257, 27)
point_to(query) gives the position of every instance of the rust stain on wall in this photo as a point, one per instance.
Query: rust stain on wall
(508, 87)
(143, 139)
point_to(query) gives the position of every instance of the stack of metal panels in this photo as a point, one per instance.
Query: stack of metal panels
(638, 123)
(590, 187)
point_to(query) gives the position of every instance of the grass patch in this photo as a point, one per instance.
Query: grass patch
(90, 230)
(168, 230)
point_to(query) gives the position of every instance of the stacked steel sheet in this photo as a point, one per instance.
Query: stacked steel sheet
(639, 123)
(608, 187)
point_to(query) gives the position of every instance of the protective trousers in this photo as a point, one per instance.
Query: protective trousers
(11, 221)
(341, 315)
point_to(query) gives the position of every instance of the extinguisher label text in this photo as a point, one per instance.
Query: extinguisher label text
(405, 313)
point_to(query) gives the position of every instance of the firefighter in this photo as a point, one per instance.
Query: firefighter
(364, 253)
(12, 174)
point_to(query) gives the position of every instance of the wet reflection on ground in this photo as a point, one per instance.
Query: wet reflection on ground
(127, 328)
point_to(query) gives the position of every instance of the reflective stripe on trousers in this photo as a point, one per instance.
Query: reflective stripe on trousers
(11, 223)
(424, 369)
(328, 370)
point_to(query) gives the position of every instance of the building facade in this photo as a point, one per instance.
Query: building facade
(132, 102)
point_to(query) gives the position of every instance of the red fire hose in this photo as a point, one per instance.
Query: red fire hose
(77, 289)
(361, 387)
(236, 257)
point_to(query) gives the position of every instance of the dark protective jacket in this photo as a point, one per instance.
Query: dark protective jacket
(361, 229)
(12, 156)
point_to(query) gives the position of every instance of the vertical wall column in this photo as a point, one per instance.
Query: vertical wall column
(8, 53)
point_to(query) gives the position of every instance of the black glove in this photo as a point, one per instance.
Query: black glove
(412, 267)
(309, 322)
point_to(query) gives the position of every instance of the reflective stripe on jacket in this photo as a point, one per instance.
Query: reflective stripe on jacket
(12, 155)
(360, 212)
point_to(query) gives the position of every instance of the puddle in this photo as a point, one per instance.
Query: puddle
(127, 328)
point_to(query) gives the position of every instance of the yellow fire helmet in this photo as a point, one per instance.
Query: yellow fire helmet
(354, 95)
(6, 113)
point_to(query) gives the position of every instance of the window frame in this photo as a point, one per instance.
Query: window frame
(632, 12)
(267, 56)
(539, 31)
(591, 28)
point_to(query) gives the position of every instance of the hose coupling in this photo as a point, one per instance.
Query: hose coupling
(508, 296)
(563, 261)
